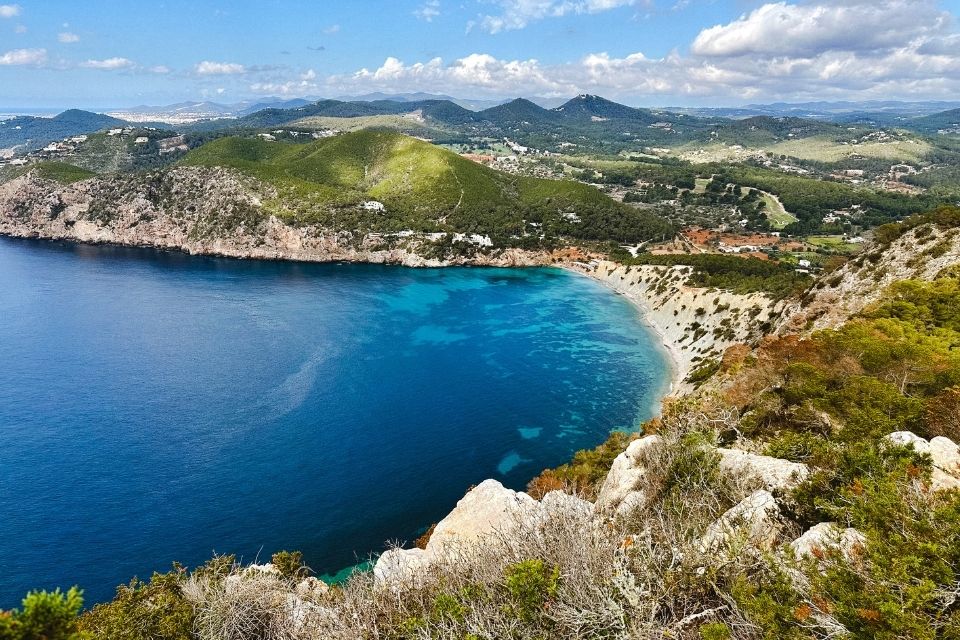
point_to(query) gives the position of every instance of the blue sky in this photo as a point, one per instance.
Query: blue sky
(654, 52)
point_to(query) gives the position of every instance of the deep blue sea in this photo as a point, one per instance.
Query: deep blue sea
(158, 407)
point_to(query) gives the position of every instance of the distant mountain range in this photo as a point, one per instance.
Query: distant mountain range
(587, 122)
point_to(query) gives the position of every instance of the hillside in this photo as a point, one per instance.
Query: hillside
(424, 188)
(370, 196)
(30, 132)
(947, 122)
(809, 488)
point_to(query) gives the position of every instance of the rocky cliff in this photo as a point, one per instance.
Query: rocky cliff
(206, 212)
(696, 324)
(920, 254)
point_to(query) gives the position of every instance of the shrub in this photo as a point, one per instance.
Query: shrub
(46, 615)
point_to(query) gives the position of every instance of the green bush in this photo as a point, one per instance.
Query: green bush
(46, 615)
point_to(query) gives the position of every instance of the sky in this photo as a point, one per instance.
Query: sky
(120, 53)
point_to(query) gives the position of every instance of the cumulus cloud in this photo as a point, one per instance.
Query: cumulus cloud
(109, 64)
(517, 14)
(207, 68)
(428, 10)
(68, 38)
(836, 49)
(808, 29)
(21, 57)
(9, 10)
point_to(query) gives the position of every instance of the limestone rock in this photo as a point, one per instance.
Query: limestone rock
(828, 535)
(944, 453)
(626, 473)
(398, 566)
(487, 508)
(775, 473)
(755, 521)
(312, 588)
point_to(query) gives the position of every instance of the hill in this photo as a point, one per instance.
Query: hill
(947, 122)
(30, 132)
(596, 109)
(424, 188)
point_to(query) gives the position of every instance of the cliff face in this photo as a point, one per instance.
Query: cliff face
(695, 323)
(207, 212)
(920, 254)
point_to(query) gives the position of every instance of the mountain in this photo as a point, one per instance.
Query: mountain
(947, 122)
(276, 103)
(519, 111)
(30, 132)
(594, 108)
(424, 187)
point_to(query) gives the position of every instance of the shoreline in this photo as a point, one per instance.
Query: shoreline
(675, 379)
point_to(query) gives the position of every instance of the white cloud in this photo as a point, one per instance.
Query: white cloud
(68, 38)
(332, 29)
(207, 68)
(9, 10)
(160, 69)
(109, 64)
(517, 14)
(428, 10)
(811, 28)
(753, 57)
(19, 57)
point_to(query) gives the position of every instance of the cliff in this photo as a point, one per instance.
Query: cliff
(696, 324)
(209, 211)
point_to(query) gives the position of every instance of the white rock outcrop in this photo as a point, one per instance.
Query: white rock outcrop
(488, 510)
(945, 455)
(620, 488)
(826, 536)
(754, 521)
(776, 474)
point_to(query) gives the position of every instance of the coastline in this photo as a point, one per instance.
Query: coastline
(668, 347)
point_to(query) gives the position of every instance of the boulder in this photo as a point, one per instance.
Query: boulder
(828, 535)
(312, 588)
(560, 504)
(401, 566)
(486, 509)
(775, 474)
(944, 453)
(625, 475)
(754, 521)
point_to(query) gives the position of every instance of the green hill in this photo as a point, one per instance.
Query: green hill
(34, 132)
(424, 188)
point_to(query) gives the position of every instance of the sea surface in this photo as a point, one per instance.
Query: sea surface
(158, 407)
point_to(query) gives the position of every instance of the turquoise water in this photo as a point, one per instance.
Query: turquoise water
(158, 407)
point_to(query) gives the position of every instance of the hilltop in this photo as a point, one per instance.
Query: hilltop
(423, 187)
(374, 196)
(33, 132)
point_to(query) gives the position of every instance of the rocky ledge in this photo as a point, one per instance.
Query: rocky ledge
(207, 212)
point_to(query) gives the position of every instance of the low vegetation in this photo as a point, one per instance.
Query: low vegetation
(423, 188)
(826, 400)
(733, 273)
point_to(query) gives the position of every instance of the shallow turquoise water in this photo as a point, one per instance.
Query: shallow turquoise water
(158, 407)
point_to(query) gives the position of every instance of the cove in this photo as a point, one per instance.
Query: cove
(158, 407)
